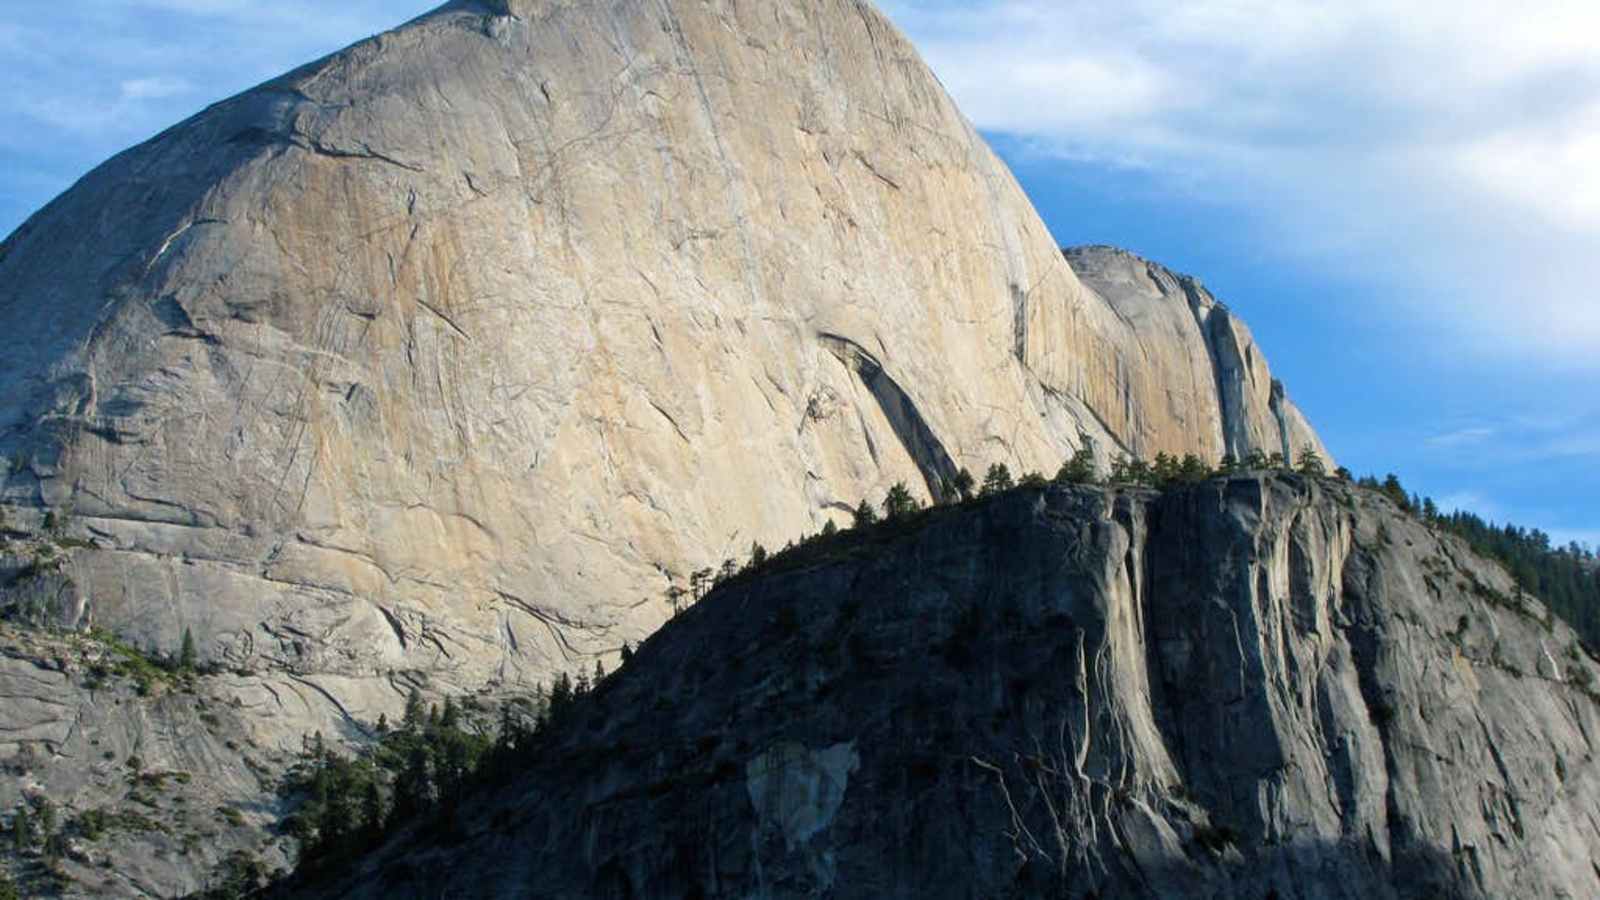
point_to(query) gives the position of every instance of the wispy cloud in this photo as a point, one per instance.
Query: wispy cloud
(86, 79)
(1517, 440)
(158, 87)
(1589, 540)
(1460, 437)
(1470, 501)
(1449, 148)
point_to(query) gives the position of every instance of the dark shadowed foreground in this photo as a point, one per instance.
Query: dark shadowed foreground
(1252, 687)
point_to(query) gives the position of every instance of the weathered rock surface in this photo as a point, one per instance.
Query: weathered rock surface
(151, 786)
(159, 779)
(451, 351)
(155, 777)
(1256, 687)
(1218, 379)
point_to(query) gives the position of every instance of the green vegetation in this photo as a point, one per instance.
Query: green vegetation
(418, 771)
(963, 485)
(186, 656)
(901, 510)
(865, 515)
(240, 875)
(94, 824)
(146, 670)
(22, 836)
(1079, 469)
(997, 481)
(1566, 578)
(899, 505)
(1310, 463)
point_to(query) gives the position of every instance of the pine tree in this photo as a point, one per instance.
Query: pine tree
(700, 584)
(46, 817)
(899, 504)
(1079, 469)
(186, 656)
(510, 730)
(866, 516)
(829, 529)
(55, 847)
(758, 555)
(372, 810)
(997, 480)
(1165, 469)
(1119, 471)
(1141, 472)
(412, 722)
(963, 484)
(1310, 463)
(1192, 470)
(1396, 492)
(627, 654)
(560, 696)
(413, 787)
(22, 829)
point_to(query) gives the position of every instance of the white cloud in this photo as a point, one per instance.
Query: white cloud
(1526, 444)
(1471, 501)
(155, 88)
(1461, 437)
(124, 68)
(87, 78)
(1584, 538)
(1450, 148)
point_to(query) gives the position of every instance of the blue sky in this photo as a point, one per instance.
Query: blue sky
(1405, 205)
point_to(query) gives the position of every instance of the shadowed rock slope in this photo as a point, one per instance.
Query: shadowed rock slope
(1256, 687)
(152, 779)
(452, 351)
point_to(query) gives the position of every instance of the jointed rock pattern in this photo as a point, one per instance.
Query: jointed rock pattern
(454, 350)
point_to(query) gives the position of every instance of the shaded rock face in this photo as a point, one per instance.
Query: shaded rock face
(175, 778)
(1249, 688)
(452, 351)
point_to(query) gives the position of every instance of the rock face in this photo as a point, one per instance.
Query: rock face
(1257, 687)
(152, 784)
(453, 351)
(1218, 377)
(160, 780)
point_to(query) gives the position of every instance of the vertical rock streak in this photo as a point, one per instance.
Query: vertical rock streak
(1248, 687)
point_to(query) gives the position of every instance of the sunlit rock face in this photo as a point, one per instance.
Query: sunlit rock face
(453, 351)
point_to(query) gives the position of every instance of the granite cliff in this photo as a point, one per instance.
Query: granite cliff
(451, 352)
(436, 362)
(1258, 686)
